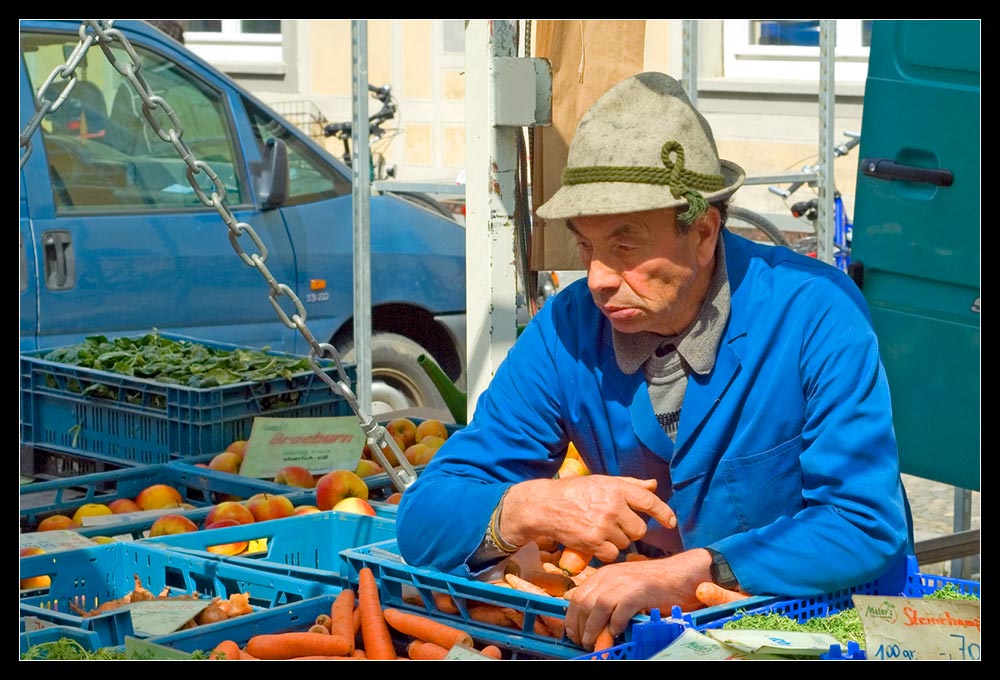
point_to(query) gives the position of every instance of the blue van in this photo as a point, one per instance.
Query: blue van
(114, 239)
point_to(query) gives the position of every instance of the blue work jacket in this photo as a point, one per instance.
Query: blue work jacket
(785, 457)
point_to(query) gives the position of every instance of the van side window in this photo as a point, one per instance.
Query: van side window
(310, 177)
(103, 155)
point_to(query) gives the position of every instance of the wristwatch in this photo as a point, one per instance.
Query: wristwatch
(722, 573)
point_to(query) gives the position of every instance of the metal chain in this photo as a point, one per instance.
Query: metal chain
(214, 196)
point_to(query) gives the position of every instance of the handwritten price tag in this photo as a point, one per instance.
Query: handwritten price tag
(910, 628)
(317, 444)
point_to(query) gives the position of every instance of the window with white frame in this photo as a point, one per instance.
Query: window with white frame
(788, 49)
(255, 43)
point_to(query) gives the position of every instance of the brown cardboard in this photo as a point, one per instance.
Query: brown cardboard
(587, 58)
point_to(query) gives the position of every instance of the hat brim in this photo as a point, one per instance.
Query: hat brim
(617, 198)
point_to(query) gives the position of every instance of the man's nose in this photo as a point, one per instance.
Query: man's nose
(602, 277)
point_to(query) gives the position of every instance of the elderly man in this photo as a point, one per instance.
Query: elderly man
(727, 396)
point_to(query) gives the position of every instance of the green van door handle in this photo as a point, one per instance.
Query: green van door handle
(883, 168)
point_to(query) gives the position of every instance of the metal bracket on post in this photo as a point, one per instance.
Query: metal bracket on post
(522, 91)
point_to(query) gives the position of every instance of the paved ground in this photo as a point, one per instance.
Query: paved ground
(933, 506)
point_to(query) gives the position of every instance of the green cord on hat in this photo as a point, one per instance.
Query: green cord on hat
(682, 182)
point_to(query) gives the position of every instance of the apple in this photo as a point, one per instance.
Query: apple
(367, 468)
(172, 524)
(337, 485)
(101, 540)
(234, 548)
(89, 510)
(405, 428)
(353, 504)
(227, 461)
(429, 427)
(229, 510)
(270, 506)
(432, 441)
(122, 506)
(416, 453)
(158, 496)
(306, 509)
(33, 582)
(238, 447)
(55, 522)
(394, 498)
(295, 475)
(390, 455)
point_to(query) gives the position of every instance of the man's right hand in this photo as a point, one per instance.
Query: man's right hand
(596, 514)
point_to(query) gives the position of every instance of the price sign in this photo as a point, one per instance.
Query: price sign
(317, 444)
(55, 541)
(910, 628)
(692, 645)
(163, 616)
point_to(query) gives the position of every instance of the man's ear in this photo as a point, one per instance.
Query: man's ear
(707, 228)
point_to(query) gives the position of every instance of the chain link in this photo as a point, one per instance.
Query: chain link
(103, 33)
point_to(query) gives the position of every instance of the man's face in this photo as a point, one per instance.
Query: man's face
(643, 274)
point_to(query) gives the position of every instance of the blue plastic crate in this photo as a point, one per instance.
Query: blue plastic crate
(306, 546)
(88, 639)
(145, 421)
(90, 576)
(904, 580)
(199, 487)
(296, 616)
(414, 589)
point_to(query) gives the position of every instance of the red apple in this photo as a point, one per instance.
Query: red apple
(306, 509)
(227, 461)
(358, 506)
(335, 486)
(172, 524)
(367, 468)
(157, 496)
(34, 581)
(229, 510)
(270, 506)
(295, 475)
(121, 506)
(238, 447)
(405, 429)
(394, 498)
(234, 548)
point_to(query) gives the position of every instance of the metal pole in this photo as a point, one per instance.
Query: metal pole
(360, 164)
(962, 521)
(490, 167)
(827, 105)
(689, 67)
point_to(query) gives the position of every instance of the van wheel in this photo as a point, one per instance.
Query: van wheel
(398, 381)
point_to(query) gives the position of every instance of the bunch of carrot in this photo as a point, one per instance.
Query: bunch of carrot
(358, 627)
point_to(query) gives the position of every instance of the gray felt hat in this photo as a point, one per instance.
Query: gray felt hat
(642, 146)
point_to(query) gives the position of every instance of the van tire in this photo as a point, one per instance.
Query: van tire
(398, 381)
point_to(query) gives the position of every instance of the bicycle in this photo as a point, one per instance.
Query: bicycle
(376, 159)
(808, 210)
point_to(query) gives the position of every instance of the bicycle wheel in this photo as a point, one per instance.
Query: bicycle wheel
(754, 226)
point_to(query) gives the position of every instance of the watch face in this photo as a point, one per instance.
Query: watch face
(722, 574)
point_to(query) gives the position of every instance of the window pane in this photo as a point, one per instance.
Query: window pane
(103, 154)
(260, 25)
(454, 36)
(309, 177)
(203, 25)
(795, 32)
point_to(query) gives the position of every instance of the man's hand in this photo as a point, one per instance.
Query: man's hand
(614, 593)
(596, 514)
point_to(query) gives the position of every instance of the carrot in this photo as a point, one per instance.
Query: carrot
(552, 568)
(553, 584)
(321, 657)
(582, 576)
(426, 629)
(492, 651)
(524, 585)
(374, 629)
(247, 656)
(573, 561)
(517, 618)
(319, 628)
(323, 620)
(226, 650)
(342, 618)
(444, 603)
(421, 650)
(488, 613)
(359, 653)
(605, 640)
(711, 594)
(635, 557)
(278, 646)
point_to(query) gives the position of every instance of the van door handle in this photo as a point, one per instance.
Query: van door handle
(60, 267)
(883, 168)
